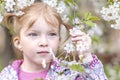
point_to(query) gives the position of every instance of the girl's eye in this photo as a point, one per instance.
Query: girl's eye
(32, 34)
(52, 34)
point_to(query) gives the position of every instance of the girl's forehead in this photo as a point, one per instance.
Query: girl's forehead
(44, 27)
(42, 22)
(41, 25)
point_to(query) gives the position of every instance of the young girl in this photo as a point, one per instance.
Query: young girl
(37, 36)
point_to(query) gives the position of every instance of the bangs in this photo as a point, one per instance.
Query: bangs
(51, 16)
(37, 10)
(28, 20)
(52, 20)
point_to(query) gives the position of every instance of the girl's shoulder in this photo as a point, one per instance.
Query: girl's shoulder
(8, 73)
(11, 71)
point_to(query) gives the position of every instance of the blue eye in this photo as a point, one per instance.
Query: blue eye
(32, 34)
(52, 34)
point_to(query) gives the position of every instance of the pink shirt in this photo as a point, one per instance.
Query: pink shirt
(32, 76)
(28, 76)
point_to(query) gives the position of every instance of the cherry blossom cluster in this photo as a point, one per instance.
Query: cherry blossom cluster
(13, 6)
(112, 14)
(60, 6)
(82, 46)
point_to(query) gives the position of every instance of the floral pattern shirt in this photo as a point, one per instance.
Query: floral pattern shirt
(93, 71)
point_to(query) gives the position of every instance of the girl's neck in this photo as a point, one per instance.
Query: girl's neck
(31, 68)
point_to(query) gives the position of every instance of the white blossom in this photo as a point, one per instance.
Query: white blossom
(112, 13)
(24, 3)
(74, 31)
(69, 47)
(44, 63)
(72, 62)
(52, 3)
(21, 4)
(9, 5)
(76, 21)
(52, 53)
(15, 6)
(19, 13)
(82, 46)
(61, 7)
(30, 2)
(116, 25)
(65, 18)
(87, 59)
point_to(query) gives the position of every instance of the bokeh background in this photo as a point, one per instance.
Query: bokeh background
(106, 40)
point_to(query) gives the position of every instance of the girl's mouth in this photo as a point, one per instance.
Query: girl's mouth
(43, 52)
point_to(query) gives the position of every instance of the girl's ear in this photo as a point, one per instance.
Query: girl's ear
(17, 44)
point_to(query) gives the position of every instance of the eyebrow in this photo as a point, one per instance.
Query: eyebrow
(50, 30)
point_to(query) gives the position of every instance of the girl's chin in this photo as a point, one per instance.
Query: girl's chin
(46, 60)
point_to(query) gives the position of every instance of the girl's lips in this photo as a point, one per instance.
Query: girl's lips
(43, 52)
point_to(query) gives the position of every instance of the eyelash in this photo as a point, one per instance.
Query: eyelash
(52, 34)
(35, 34)
(32, 34)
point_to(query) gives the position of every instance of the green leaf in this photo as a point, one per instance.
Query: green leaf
(77, 67)
(89, 23)
(93, 18)
(96, 39)
(87, 15)
(110, 1)
(106, 71)
(2, 1)
(67, 2)
(70, 1)
(78, 13)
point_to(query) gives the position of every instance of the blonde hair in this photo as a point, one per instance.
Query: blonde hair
(15, 23)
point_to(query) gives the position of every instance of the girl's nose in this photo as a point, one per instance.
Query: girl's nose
(43, 42)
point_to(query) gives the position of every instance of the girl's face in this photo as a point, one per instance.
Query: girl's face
(37, 41)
